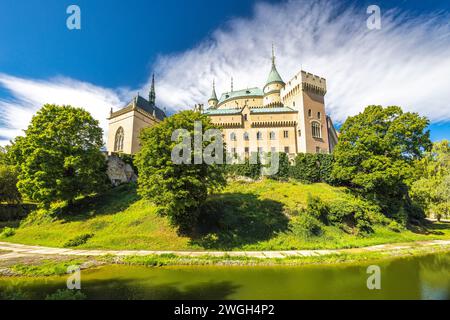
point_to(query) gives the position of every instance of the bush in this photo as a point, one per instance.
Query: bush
(317, 208)
(78, 240)
(353, 213)
(8, 184)
(306, 168)
(284, 167)
(306, 226)
(252, 171)
(66, 294)
(8, 232)
(395, 226)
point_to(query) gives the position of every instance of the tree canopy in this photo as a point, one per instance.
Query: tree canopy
(59, 158)
(377, 150)
(178, 189)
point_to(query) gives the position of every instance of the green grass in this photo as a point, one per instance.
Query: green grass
(44, 268)
(245, 216)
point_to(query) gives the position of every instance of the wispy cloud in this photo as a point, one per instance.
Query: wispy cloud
(29, 95)
(406, 63)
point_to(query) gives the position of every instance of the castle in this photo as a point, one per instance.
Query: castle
(125, 125)
(281, 117)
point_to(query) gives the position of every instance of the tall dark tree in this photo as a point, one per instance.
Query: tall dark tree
(59, 158)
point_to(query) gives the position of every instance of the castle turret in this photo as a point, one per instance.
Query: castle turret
(273, 85)
(213, 101)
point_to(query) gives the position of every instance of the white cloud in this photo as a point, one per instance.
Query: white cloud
(406, 63)
(30, 95)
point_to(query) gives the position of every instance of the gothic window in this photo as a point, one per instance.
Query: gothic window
(272, 135)
(316, 130)
(318, 115)
(233, 136)
(259, 135)
(246, 136)
(118, 142)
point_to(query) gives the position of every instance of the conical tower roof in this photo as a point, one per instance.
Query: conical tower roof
(274, 76)
(213, 94)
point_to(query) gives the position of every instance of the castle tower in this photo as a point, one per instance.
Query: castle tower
(273, 86)
(213, 101)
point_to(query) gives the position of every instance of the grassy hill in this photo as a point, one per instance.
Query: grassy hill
(261, 215)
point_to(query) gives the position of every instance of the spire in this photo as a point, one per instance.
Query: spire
(274, 76)
(152, 94)
(213, 94)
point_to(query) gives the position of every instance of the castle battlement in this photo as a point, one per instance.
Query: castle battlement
(305, 81)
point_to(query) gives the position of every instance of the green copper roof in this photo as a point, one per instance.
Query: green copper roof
(272, 110)
(252, 92)
(222, 111)
(274, 76)
(213, 94)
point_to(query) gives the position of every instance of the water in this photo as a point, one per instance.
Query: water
(405, 278)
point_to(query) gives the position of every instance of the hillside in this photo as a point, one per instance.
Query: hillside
(261, 215)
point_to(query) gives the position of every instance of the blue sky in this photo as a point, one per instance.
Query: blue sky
(189, 43)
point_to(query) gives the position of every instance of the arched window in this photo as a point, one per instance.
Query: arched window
(309, 113)
(233, 136)
(118, 141)
(259, 135)
(319, 115)
(272, 135)
(316, 130)
(246, 136)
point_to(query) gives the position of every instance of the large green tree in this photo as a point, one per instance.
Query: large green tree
(432, 188)
(178, 189)
(59, 158)
(376, 153)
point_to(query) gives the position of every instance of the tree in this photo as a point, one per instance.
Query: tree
(432, 188)
(178, 189)
(59, 158)
(376, 153)
(8, 184)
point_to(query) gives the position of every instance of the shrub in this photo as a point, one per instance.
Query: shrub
(395, 226)
(8, 232)
(306, 168)
(284, 167)
(245, 169)
(8, 184)
(353, 213)
(66, 294)
(78, 240)
(317, 208)
(306, 226)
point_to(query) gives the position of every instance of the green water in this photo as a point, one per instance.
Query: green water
(406, 278)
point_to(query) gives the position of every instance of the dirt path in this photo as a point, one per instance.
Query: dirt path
(12, 251)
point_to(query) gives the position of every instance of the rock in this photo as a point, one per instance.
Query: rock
(119, 172)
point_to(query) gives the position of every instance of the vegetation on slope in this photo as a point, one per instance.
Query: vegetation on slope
(264, 215)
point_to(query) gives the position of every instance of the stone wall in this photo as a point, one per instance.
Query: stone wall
(119, 172)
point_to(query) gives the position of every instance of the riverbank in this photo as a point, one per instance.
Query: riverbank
(21, 260)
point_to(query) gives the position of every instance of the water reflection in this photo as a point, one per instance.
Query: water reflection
(407, 278)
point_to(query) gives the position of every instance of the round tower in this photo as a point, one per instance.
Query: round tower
(213, 101)
(273, 86)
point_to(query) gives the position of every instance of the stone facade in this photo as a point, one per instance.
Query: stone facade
(126, 124)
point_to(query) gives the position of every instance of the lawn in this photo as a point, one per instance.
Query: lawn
(244, 216)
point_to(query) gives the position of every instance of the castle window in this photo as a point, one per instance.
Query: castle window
(309, 113)
(317, 149)
(245, 117)
(293, 103)
(286, 134)
(233, 151)
(260, 150)
(299, 133)
(272, 135)
(233, 136)
(259, 135)
(247, 150)
(316, 130)
(273, 149)
(118, 141)
(246, 138)
(286, 149)
(318, 115)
